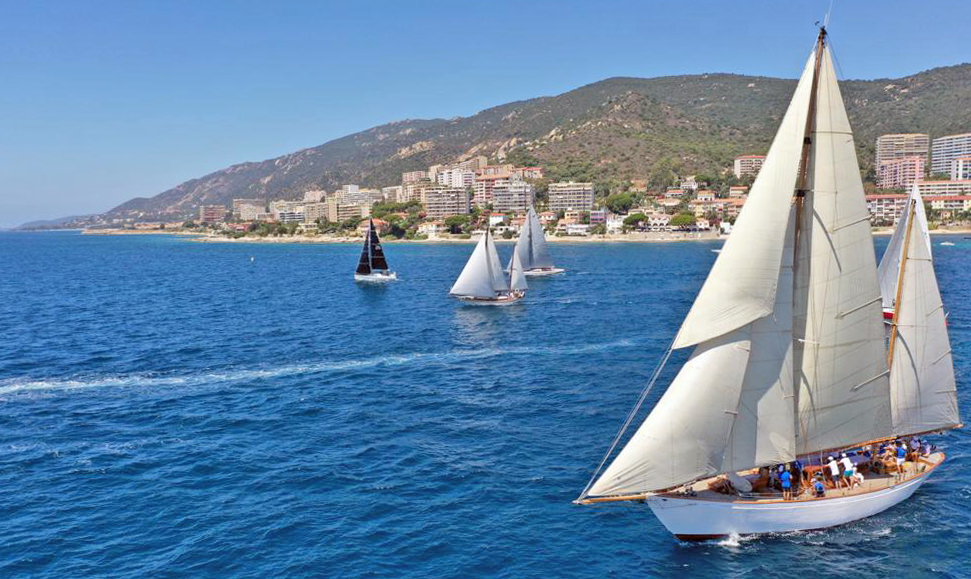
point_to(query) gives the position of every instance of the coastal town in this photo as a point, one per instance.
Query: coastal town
(454, 200)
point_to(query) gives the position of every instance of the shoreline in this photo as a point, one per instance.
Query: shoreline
(649, 237)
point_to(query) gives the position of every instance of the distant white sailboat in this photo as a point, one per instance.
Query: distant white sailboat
(373, 267)
(482, 281)
(532, 250)
(790, 360)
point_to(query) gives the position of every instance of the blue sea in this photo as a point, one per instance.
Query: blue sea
(171, 408)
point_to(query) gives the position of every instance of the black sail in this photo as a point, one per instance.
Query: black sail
(377, 253)
(364, 265)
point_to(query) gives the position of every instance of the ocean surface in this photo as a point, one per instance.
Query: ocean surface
(178, 409)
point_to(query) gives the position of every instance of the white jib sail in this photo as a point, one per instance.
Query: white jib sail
(476, 279)
(841, 367)
(923, 394)
(889, 268)
(742, 284)
(729, 408)
(517, 279)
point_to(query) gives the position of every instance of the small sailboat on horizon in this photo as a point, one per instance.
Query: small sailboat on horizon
(373, 267)
(532, 249)
(790, 361)
(482, 281)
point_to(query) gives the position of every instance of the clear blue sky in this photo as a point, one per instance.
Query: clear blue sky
(103, 101)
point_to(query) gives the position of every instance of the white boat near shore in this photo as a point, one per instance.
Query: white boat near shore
(482, 281)
(532, 250)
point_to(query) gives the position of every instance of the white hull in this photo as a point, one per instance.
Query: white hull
(501, 301)
(693, 519)
(376, 277)
(543, 272)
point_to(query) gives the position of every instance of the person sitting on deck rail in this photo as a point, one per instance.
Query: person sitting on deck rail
(834, 471)
(785, 477)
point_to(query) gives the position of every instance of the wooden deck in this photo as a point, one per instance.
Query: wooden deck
(872, 482)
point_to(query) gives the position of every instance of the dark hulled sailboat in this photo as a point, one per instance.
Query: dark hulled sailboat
(373, 267)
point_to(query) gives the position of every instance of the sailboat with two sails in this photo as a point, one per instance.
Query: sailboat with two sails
(482, 281)
(532, 249)
(790, 362)
(373, 267)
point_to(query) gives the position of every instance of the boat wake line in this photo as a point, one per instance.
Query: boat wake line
(232, 375)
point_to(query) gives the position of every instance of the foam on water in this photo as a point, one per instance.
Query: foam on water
(230, 375)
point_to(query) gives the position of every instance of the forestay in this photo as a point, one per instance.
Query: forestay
(841, 369)
(922, 390)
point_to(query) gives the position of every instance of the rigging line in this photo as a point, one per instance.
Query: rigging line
(630, 418)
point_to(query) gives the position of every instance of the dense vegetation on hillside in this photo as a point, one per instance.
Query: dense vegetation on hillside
(610, 131)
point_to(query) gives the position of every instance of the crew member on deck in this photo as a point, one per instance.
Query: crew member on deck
(901, 458)
(834, 471)
(785, 477)
(848, 469)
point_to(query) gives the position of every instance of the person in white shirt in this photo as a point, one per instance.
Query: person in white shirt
(848, 469)
(834, 471)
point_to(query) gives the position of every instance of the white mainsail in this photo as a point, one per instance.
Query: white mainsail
(482, 276)
(517, 279)
(531, 245)
(741, 286)
(843, 393)
(923, 393)
(889, 267)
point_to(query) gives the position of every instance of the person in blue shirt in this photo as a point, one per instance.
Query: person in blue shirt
(900, 458)
(819, 488)
(785, 477)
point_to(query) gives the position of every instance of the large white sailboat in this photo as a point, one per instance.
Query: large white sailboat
(532, 250)
(790, 361)
(482, 281)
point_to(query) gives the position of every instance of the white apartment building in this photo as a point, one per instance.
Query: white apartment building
(748, 165)
(239, 203)
(338, 210)
(248, 212)
(944, 188)
(950, 203)
(456, 177)
(900, 145)
(440, 202)
(946, 149)
(512, 195)
(570, 196)
(961, 169)
(886, 208)
(900, 173)
(286, 211)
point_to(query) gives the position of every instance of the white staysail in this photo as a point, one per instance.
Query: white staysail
(496, 275)
(479, 277)
(842, 388)
(741, 286)
(730, 408)
(517, 279)
(923, 393)
(531, 245)
(889, 267)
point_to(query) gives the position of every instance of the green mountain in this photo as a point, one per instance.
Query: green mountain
(619, 128)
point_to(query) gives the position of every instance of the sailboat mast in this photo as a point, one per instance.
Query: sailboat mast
(802, 182)
(900, 280)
